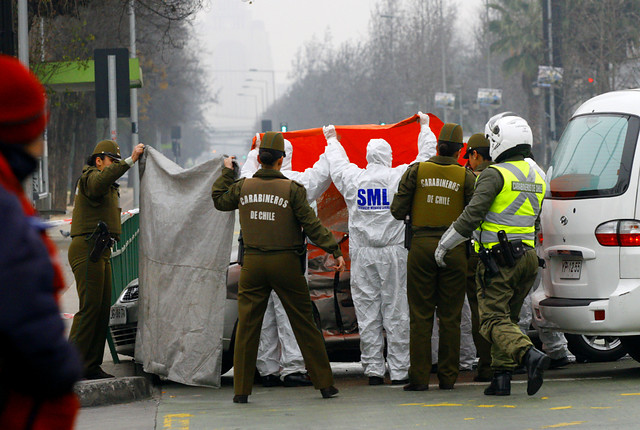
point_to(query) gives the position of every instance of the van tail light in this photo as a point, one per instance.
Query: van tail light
(619, 233)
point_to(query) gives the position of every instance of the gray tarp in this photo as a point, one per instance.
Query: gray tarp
(185, 244)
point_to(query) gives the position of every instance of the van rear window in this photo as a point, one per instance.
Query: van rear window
(594, 156)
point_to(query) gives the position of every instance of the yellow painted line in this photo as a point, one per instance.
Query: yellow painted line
(467, 419)
(561, 407)
(630, 394)
(442, 404)
(544, 398)
(575, 423)
(507, 406)
(176, 421)
(486, 406)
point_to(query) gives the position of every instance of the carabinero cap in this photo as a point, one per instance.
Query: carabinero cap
(108, 148)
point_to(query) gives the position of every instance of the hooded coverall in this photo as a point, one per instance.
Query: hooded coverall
(376, 248)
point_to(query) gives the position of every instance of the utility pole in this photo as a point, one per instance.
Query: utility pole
(134, 105)
(444, 66)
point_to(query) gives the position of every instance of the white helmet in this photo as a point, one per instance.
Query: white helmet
(505, 131)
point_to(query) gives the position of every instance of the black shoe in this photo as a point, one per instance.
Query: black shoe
(240, 398)
(270, 381)
(399, 381)
(297, 379)
(328, 392)
(500, 385)
(559, 362)
(97, 374)
(376, 380)
(444, 386)
(415, 387)
(536, 363)
(482, 378)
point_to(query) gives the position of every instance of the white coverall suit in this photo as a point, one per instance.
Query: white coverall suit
(377, 252)
(278, 351)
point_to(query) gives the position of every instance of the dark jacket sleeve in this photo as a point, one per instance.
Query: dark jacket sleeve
(488, 186)
(311, 225)
(225, 192)
(403, 198)
(35, 357)
(97, 182)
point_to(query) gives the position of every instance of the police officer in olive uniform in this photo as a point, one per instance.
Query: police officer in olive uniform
(97, 200)
(478, 159)
(434, 192)
(275, 217)
(502, 216)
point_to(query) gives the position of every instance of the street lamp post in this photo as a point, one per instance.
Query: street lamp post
(262, 97)
(255, 101)
(273, 80)
(266, 88)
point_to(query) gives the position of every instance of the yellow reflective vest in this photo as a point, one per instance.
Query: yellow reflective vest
(515, 208)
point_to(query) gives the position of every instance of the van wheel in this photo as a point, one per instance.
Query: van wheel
(632, 345)
(595, 348)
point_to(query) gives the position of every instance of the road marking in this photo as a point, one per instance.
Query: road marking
(630, 394)
(561, 407)
(176, 421)
(441, 404)
(467, 419)
(575, 423)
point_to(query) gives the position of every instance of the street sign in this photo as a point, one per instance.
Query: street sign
(491, 97)
(122, 82)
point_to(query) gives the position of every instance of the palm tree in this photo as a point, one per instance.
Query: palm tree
(518, 28)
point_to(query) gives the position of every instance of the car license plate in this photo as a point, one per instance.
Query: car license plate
(571, 269)
(118, 315)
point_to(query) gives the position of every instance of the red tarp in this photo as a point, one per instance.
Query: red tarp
(309, 144)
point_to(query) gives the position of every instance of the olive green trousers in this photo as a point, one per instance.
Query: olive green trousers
(93, 282)
(430, 287)
(500, 299)
(483, 346)
(281, 272)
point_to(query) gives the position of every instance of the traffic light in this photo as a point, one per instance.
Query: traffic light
(591, 80)
(283, 127)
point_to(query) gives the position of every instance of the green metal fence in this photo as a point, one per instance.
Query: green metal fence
(124, 262)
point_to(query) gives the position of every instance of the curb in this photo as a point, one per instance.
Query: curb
(113, 391)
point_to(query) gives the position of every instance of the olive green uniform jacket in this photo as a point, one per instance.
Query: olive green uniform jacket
(226, 197)
(97, 199)
(499, 297)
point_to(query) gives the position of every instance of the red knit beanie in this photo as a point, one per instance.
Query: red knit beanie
(23, 114)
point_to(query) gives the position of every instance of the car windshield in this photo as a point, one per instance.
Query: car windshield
(594, 156)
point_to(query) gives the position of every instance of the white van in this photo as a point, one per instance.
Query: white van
(591, 224)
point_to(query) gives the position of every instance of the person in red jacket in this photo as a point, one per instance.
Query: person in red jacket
(38, 367)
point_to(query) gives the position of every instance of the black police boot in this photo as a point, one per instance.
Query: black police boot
(376, 380)
(271, 381)
(240, 398)
(297, 379)
(500, 384)
(329, 392)
(536, 363)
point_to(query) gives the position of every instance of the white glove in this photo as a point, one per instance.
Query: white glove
(424, 119)
(257, 140)
(329, 132)
(449, 240)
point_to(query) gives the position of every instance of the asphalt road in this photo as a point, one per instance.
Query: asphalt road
(581, 396)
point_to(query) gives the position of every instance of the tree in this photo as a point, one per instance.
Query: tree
(518, 31)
